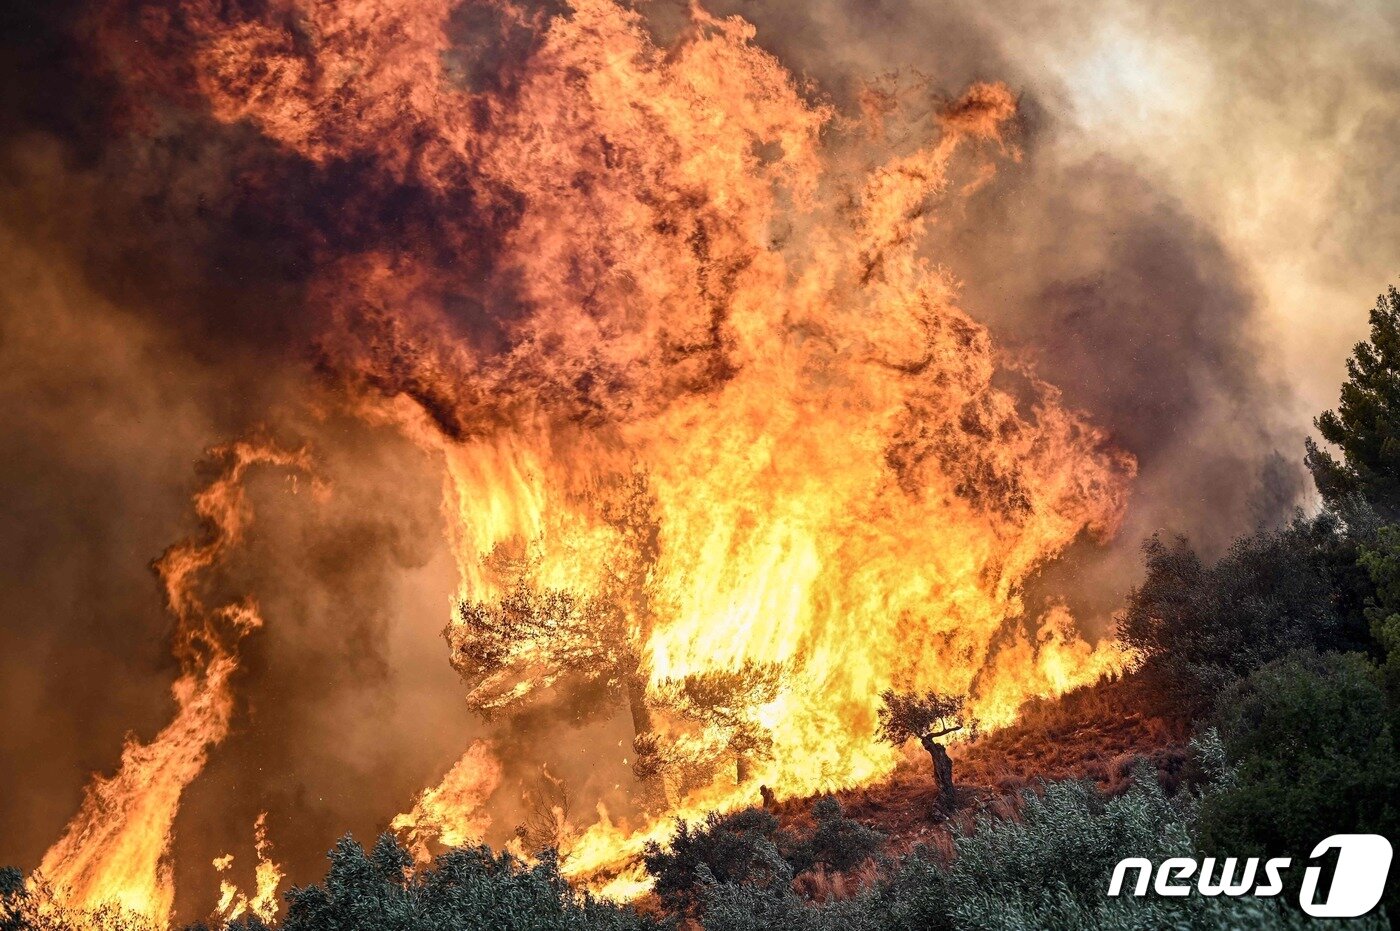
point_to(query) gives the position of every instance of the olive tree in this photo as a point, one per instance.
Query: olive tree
(928, 717)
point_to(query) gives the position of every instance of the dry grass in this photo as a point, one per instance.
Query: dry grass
(1097, 733)
(822, 885)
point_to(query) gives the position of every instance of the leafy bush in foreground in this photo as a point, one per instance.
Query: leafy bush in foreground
(470, 888)
(837, 842)
(741, 848)
(1313, 755)
(1049, 870)
(749, 848)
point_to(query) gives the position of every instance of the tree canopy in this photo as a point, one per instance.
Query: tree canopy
(1366, 424)
(920, 715)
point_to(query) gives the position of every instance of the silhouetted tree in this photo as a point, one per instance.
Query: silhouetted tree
(533, 637)
(724, 703)
(537, 635)
(929, 717)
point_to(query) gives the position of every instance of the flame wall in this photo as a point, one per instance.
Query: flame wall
(700, 276)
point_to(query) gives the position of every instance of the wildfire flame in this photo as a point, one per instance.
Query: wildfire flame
(115, 851)
(451, 813)
(267, 877)
(715, 430)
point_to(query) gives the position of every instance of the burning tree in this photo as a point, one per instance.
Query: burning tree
(723, 704)
(929, 716)
(534, 634)
(530, 636)
(706, 393)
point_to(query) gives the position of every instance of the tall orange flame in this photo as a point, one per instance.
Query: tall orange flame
(715, 428)
(115, 850)
(267, 878)
(451, 813)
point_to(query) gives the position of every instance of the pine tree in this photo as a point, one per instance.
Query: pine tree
(1366, 424)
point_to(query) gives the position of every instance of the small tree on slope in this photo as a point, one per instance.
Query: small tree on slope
(929, 717)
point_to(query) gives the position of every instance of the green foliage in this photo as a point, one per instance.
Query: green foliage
(743, 848)
(1366, 423)
(749, 849)
(920, 714)
(1051, 869)
(778, 908)
(1202, 626)
(1048, 869)
(1057, 858)
(837, 842)
(1312, 755)
(1034, 873)
(1382, 562)
(466, 888)
(1056, 909)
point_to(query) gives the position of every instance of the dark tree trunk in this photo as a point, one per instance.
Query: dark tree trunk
(942, 771)
(637, 700)
(653, 790)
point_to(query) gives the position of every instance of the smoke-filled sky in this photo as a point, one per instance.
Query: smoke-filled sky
(1202, 210)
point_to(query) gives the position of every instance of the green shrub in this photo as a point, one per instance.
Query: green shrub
(470, 888)
(749, 848)
(742, 848)
(1202, 626)
(837, 842)
(1313, 755)
(1050, 869)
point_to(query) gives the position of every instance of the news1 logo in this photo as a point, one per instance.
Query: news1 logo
(1363, 862)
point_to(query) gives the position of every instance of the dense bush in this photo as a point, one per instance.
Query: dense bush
(471, 888)
(1050, 869)
(1313, 755)
(1201, 626)
(749, 848)
(837, 842)
(742, 848)
(466, 890)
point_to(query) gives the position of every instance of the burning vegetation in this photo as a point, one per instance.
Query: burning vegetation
(720, 446)
(722, 457)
